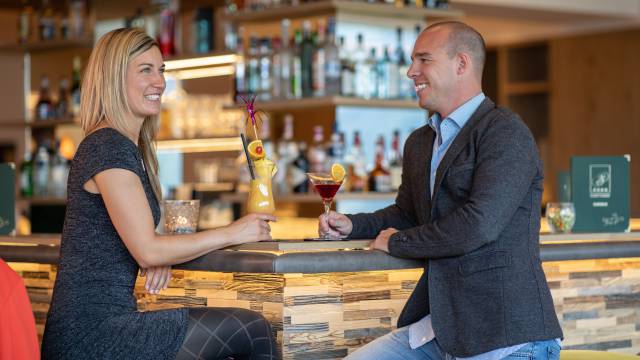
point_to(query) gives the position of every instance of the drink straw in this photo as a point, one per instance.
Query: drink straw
(246, 153)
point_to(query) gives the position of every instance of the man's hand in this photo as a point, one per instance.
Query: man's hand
(382, 240)
(335, 225)
(157, 278)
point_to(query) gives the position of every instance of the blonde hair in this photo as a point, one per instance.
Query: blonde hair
(103, 98)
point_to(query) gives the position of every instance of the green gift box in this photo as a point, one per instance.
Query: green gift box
(7, 199)
(600, 193)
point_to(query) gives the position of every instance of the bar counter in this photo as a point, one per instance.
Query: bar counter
(325, 299)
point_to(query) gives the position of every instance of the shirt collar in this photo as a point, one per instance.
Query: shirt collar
(461, 115)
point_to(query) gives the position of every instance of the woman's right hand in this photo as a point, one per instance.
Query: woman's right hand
(251, 228)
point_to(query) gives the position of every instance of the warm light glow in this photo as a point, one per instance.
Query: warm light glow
(172, 65)
(200, 145)
(203, 72)
(67, 147)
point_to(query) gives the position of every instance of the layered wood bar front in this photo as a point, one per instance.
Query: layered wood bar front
(325, 299)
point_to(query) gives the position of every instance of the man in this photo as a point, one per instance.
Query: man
(469, 205)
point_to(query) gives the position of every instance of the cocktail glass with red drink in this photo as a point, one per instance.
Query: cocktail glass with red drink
(326, 186)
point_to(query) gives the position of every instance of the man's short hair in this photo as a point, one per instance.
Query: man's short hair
(464, 38)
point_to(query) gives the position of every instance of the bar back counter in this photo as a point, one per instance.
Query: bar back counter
(325, 299)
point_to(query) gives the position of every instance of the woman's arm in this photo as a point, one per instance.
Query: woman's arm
(130, 213)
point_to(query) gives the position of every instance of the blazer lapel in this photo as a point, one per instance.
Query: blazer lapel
(461, 140)
(422, 186)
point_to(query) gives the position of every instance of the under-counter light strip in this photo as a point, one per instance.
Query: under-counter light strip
(172, 65)
(200, 145)
(203, 72)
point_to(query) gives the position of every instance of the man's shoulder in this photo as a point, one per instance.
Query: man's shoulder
(419, 134)
(503, 118)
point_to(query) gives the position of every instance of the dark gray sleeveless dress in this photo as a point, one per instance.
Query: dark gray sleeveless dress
(93, 311)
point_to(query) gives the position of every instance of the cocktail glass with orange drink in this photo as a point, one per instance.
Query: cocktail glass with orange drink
(327, 185)
(260, 188)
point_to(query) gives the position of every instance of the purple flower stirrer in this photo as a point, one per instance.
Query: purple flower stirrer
(249, 104)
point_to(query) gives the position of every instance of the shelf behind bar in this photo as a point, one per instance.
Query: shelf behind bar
(341, 6)
(46, 45)
(44, 200)
(40, 124)
(326, 101)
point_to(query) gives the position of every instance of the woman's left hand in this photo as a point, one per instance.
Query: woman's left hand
(157, 278)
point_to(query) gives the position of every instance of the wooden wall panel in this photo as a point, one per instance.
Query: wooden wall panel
(595, 102)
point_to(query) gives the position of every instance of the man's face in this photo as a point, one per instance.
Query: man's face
(432, 72)
(145, 83)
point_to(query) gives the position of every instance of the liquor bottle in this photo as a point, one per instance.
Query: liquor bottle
(265, 69)
(442, 4)
(167, 31)
(299, 170)
(286, 60)
(405, 87)
(332, 61)
(240, 88)
(203, 30)
(395, 161)
(414, 95)
(26, 175)
(76, 81)
(47, 21)
(373, 78)
(379, 177)
(392, 80)
(306, 59)
(347, 71)
(276, 67)
(265, 136)
(137, 20)
(362, 70)
(77, 13)
(44, 107)
(317, 151)
(296, 74)
(59, 172)
(287, 153)
(62, 105)
(335, 149)
(253, 69)
(357, 165)
(385, 66)
(319, 62)
(24, 22)
(41, 171)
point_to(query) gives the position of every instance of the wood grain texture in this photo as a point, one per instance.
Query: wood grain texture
(595, 106)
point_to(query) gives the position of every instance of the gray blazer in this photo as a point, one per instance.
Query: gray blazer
(483, 282)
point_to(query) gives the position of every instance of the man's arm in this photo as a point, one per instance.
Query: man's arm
(506, 164)
(400, 215)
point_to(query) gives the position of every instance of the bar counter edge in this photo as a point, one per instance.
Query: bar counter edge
(351, 257)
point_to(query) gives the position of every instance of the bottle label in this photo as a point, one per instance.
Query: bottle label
(382, 183)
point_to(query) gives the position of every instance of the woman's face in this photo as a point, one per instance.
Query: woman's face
(145, 83)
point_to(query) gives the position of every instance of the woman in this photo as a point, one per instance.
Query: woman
(108, 232)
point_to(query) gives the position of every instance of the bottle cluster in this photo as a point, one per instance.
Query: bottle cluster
(314, 64)
(256, 5)
(44, 173)
(46, 24)
(67, 103)
(295, 159)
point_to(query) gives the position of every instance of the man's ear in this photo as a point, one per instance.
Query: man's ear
(463, 63)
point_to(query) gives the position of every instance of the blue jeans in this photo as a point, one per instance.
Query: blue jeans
(395, 346)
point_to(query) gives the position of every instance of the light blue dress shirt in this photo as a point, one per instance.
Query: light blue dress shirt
(421, 332)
